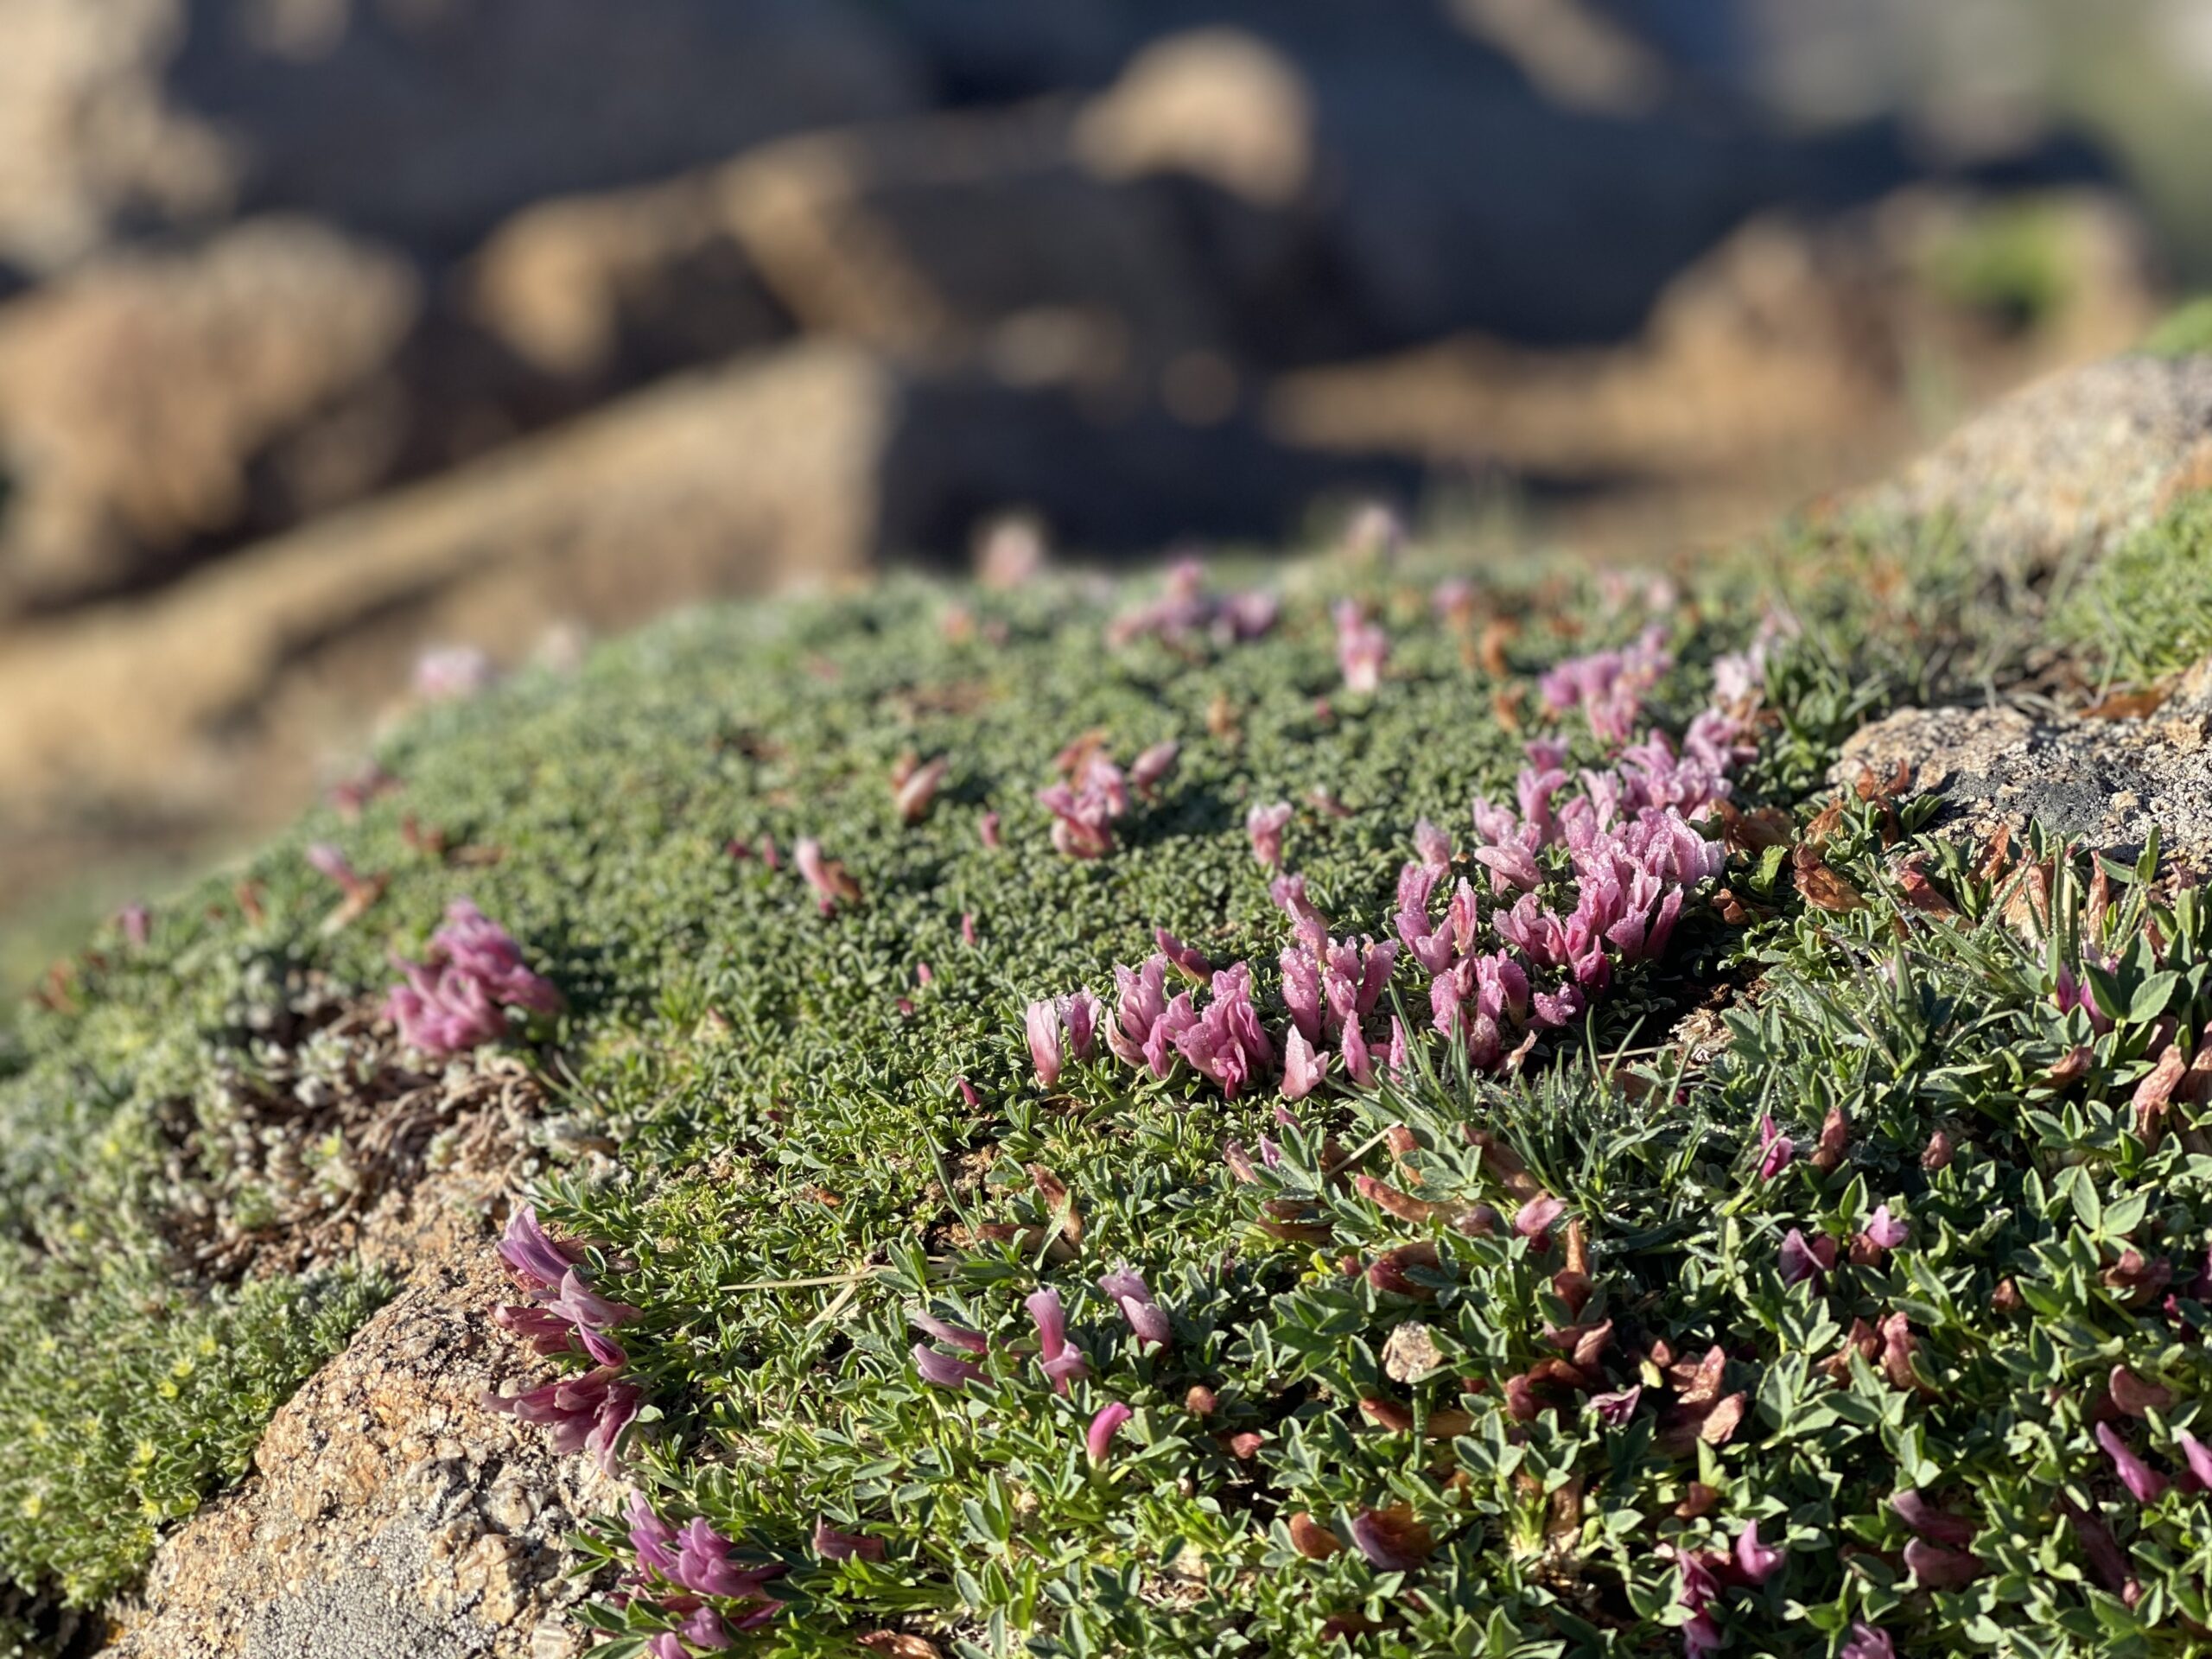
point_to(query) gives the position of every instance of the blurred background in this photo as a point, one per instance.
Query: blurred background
(335, 331)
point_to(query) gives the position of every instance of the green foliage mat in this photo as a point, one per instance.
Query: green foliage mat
(800, 1166)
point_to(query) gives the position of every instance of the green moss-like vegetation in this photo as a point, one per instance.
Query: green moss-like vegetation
(801, 1164)
(2183, 331)
(2008, 261)
(2144, 609)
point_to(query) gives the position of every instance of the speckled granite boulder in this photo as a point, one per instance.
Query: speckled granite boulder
(2109, 782)
(2071, 464)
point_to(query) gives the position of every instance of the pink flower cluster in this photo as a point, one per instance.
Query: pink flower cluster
(1330, 988)
(587, 1412)
(457, 997)
(1086, 806)
(1609, 685)
(681, 1570)
(1704, 1574)
(1634, 857)
(1223, 1041)
(1187, 608)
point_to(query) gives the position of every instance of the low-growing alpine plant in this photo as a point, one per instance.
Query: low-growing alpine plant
(1349, 1116)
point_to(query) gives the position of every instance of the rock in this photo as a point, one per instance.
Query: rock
(2108, 782)
(2068, 467)
(424, 121)
(972, 234)
(88, 138)
(1789, 356)
(138, 395)
(615, 289)
(1218, 104)
(389, 1515)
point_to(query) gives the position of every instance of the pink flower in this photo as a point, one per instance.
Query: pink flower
(1609, 685)
(1081, 1012)
(1062, 1360)
(1289, 893)
(2199, 1457)
(1151, 767)
(651, 1539)
(1098, 1441)
(1082, 825)
(443, 1012)
(455, 998)
(137, 922)
(2071, 993)
(832, 1545)
(1362, 648)
(1775, 1149)
(548, 1333)
(1867, 1643)
(1754, 1560)
(586, 1308)
(1615, 1409)
(942, 1370)
(1181, 956)
(1042, 1023)
(704, 1629)
(987, 828)
(1558, 1008)
(1511, 867)
(1884, 1232)
(1359, 1063)
(1225, 1042)
(538, 1261)
(2144, 1484)
(1302, 1069)
(703, 1566)
(1432, 846)
(958, 1335)
(1265, 824)
(448, 673)
(1147, 1321)
(586, 1413)
(1801, 1261)
(1535, 1217)
(968, 928)
(1140, 1004)
(1186, 607)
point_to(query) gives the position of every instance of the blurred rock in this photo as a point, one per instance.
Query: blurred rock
(88, 138)
(420, 121)
(2069, 466)
(1217, 105)
(804, 464)
(136, 396)
(927, 238)
(617, 288)
(1795, 349)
